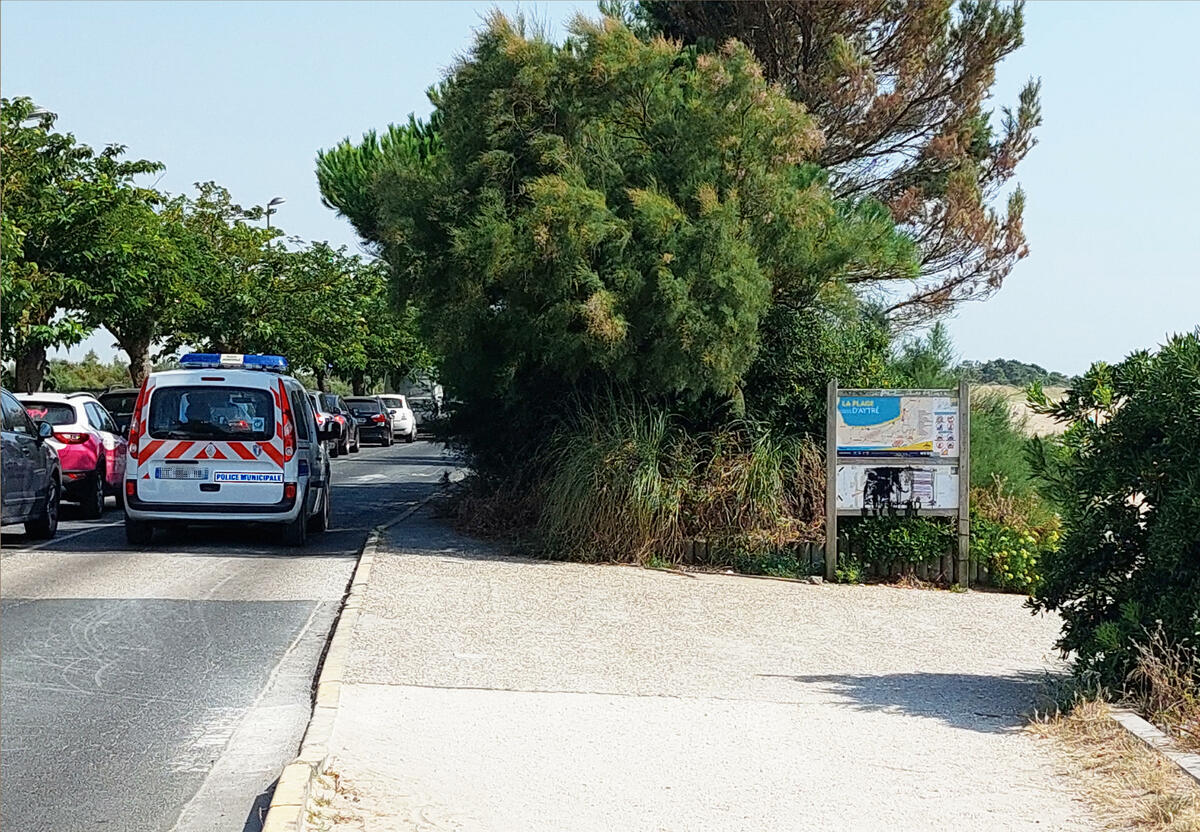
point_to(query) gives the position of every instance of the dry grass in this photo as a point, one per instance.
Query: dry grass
(1167, 685)
(331, 805)
(1128, 785)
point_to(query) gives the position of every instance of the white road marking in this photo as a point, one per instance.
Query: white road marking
(60, 538)
(362, 479)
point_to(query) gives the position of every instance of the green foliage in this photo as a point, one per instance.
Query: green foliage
(899, 91)
(999, 446)
(801, 349)
(884, 539)
(623, 481)
(1011, 554)
(90, 374)
(586, 214)
(1011, 372)
(1124, 479)
(926, 361)
(59, 201)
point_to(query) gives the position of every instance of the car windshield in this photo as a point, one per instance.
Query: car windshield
(119, 403)
(53, 412)
(212, 413)
(364, 407)
(329, 402)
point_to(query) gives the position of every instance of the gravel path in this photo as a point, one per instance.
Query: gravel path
(489, 693)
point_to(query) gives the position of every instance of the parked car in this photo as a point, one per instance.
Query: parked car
(404, 421)
(32, 477)
(348, 442)
(119, 402)
(91, 449)
(325, 422)
(374, 421)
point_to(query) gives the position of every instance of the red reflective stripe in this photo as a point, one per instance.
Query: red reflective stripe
(179, 450)
(149, 450)
(241, 450)
(273, 452)
(216, 454)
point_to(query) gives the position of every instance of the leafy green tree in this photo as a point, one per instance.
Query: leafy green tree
(229, 314)
(928, 360)
(899, 92)
(58, 197)
(607, 210)
(1125, 481)
(89, 374)
(143, 285)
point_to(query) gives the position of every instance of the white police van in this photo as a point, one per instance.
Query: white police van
(228, 438)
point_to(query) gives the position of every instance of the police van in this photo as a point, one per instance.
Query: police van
(227, 439)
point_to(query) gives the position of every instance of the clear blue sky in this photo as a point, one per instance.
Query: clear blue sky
(245, 94)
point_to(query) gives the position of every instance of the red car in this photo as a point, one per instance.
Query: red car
(90, 447)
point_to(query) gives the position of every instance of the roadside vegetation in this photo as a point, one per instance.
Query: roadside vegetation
(85, 245)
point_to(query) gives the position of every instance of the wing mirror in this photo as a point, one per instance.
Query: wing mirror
(44, 430)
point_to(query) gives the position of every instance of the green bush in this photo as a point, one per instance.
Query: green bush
(1011, 554)
(1125, 480)
(885, 539)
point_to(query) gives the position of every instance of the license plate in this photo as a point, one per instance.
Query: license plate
(180, 472)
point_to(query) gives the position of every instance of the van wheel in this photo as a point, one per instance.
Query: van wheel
(91, 501)
(320, 521)
(295, 533)
(45, 526)
(138, 532)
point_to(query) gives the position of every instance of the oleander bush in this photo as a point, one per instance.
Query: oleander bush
(1126, 481)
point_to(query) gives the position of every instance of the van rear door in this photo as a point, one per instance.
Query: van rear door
(218, 443)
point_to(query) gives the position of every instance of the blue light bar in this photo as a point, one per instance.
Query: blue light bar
(233, 361)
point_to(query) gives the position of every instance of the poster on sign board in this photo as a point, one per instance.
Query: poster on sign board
(884, 488)
(897, 425)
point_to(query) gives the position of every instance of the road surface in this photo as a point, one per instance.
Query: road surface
(165, 687)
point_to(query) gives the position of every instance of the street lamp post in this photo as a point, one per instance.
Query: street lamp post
(270, 208)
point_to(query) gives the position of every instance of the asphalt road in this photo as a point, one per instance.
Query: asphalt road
(165, 687)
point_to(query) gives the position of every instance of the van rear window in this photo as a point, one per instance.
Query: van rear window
(211, 412)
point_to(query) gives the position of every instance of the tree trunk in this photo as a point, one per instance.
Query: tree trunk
(138, 350)
(322, 383)
(31, 370)
(358, 383)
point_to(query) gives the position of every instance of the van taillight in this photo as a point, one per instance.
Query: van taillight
(289, 491)
(130, 488)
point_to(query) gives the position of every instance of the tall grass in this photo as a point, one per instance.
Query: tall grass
(623, 481)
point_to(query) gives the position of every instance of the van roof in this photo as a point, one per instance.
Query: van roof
(245, 378)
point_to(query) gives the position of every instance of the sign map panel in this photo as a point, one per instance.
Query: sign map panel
(920, 426)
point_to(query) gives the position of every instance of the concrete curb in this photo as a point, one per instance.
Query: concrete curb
(288, 803)
(1158, 741)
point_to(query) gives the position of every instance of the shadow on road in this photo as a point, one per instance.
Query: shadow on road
(988, 704)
